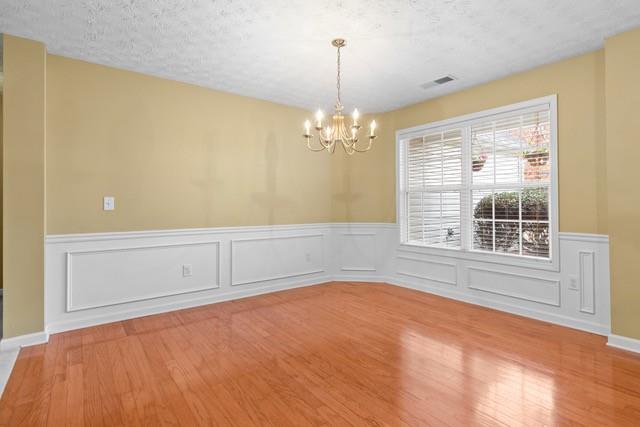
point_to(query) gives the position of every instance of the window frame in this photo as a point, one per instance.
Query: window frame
(465, 122)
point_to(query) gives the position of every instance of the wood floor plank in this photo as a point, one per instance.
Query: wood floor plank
(341, 354)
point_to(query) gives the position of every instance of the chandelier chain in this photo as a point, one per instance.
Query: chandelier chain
(339, 101)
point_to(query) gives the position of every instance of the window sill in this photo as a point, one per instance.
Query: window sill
(467, 255)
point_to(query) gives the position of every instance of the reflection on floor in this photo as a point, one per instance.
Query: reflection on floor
(337, 354)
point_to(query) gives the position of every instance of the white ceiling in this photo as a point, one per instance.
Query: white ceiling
(280, 50)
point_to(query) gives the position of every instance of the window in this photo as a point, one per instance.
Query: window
(483, 183)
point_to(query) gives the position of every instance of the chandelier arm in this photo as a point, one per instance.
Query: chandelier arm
(321, 139)
(326, 140)
(314, 149)
(362, 150)
(317, 150)
(323, 142)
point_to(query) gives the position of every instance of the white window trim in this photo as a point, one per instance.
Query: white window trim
(553, 263)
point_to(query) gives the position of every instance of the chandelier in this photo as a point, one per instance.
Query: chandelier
(339, 131)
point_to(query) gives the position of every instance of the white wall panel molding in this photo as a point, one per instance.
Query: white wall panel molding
(358, 251)
(103, 277)
(255, 260)
(477, 256)
(514, 285)
(264, 259)
(587, 274)
(428, 269)
(134, 273)
(507, 306)
(576, 294)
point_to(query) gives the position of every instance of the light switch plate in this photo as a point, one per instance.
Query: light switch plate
(109, 203)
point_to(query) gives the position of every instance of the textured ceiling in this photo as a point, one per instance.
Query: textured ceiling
(279, 49)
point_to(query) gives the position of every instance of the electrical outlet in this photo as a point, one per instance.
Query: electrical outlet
(187, 270)
(573, 283)
(308, 257)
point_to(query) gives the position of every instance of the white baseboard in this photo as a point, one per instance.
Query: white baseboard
(624, 343)
(8, 344)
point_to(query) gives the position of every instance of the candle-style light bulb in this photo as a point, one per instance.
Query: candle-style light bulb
(356, 116)
(373, 126)
(319, 117)
(329, 135)
(307, 127)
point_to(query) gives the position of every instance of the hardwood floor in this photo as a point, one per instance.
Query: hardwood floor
(337, 354)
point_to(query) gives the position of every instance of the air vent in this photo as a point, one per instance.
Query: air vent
(443, 80)
(438, 82)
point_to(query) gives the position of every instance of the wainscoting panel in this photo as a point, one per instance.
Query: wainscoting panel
(104, 277)
(587, 265)
(520, 286)
(358, 251)
(276, 257)
(97, 278)
(428, 269)
(577, 295)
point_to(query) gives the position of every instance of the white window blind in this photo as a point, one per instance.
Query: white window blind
(482, 183)
(434, 181)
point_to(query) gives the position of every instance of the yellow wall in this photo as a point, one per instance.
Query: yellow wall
(23, 179)
(579, 83)
(1, 163)
(622, 61)
(173, 155)
(363, 185)
(139, 138)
